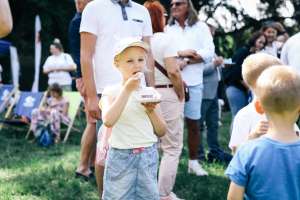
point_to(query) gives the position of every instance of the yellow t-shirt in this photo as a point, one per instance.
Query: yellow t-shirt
(133, 129)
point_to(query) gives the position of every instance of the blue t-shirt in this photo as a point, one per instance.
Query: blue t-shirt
(267, 169)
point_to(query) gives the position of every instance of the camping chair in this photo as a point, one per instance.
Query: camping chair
(23, 104)
(74, 99)
(6, 93)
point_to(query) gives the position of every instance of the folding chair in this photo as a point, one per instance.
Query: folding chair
(75, 100)
(6, 94)
(23, 104)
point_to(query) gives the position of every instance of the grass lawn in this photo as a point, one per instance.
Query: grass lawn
(30, 172)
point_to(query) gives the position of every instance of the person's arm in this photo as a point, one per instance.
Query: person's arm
(149, 75)
(206, 50)
(88, 43)
(210, 67)
(174, 75)
(5, 18)
(235, 192)
(47, 68)
(47, 71)
(154, 113)
(112, 109)
(66, 109)
(68, 68)
(69, 65)
(260, 129)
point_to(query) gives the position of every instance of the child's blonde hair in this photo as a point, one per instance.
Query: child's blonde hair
(278, 89)
(255, 64)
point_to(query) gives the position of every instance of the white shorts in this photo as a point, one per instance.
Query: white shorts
(192, 108)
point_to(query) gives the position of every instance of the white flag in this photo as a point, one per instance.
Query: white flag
(15, 65)
(37, 54)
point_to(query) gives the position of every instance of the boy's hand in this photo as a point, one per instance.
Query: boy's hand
(261, 129)
(150, 106)
(133, 82)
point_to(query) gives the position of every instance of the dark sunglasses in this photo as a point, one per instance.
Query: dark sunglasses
(177, 4)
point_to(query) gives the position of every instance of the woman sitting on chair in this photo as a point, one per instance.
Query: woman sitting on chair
(54, 112)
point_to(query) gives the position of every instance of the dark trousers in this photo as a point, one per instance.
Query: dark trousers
(209, 115)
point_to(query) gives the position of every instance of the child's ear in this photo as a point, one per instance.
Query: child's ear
(258, 107)
(116, 63)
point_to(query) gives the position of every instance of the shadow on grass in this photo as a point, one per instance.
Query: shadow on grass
(17, 152)
(195, 188)
(53, 182)
(192, 187)
(31, 172)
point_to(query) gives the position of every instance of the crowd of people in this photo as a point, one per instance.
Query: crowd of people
(136, 47)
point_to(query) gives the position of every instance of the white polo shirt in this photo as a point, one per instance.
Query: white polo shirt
(290, 52)
(199, 38)
(104, 19)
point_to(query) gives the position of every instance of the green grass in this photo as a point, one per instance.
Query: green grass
(30, 172)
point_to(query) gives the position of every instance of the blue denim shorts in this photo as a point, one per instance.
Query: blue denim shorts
(131, 174)
(192, 108)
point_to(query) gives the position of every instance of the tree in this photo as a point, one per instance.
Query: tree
(56, 15)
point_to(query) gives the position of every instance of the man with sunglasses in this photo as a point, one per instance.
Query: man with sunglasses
(195, 48)
(103, 24)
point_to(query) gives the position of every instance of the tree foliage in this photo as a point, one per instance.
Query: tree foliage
(56, 15)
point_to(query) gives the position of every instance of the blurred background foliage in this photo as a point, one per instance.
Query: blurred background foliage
(56, 14)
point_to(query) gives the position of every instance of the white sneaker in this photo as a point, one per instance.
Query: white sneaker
(196, 168)
(174, 197)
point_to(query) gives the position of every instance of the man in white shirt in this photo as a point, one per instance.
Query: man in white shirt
(103, 24)
(290, 52)
(195, 47)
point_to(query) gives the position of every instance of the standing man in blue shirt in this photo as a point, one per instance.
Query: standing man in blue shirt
(88, 140)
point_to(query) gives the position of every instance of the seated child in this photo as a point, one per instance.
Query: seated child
(248, 123)
(269, 167)
(132, 159)
(54, 112)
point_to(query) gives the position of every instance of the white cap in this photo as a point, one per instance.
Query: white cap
(129, 42)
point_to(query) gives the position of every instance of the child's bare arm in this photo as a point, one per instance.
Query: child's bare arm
(154, 113)
(235, 192)
(261, 129)
(66, 109)
(115, 108)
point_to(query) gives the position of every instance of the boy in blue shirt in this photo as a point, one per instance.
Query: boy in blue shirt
(269, 167)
